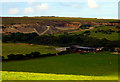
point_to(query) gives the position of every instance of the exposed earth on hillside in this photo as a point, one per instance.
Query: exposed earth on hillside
(50, 27)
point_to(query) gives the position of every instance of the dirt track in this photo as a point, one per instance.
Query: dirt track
(48, 27)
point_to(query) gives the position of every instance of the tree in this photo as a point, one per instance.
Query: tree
(35, 54)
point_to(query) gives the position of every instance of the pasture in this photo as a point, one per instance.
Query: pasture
(113, 36)
(21, 48)
(99, 66)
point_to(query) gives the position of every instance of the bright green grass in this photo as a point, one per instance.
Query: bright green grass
(113, 37)
(101, 66)
(44, 76)
(20, 48)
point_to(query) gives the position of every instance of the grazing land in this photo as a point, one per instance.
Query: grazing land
(99, 66)
(22, 48)
(113, 36)
(60, 31)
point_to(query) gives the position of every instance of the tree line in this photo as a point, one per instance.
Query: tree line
(59, 40)
(31, 55)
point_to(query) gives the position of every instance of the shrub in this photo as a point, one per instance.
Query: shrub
(118, 27)
(28, 55)
(112, 49)
(62, 53)
(46, 55)
(11, 57)
(87, 32)
(15, 57)
(118, 31)
(35, 54)
(96, 31)
(3, 58)
(19, 56)
(105, 49)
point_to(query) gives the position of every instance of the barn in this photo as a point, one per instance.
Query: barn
(77, 48)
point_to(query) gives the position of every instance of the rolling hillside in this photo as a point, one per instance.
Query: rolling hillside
(39, 24)
(21, 48)
(101, 32)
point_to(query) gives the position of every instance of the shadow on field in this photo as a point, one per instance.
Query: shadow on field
(75, 64)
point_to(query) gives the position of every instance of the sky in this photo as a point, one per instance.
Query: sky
(107, 9)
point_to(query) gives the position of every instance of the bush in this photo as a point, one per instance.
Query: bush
(15, 57)
(118, 31)
(87, 32)
(3, 58)
(96, 31)
(19, 56)
(11, 57)
(62, 53)
(111, 49)
(28, 55)
(35, 54)
(46, 55)
(118, 27)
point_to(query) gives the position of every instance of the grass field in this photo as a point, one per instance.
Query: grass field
(100, 66)
(21, 48)
(113, 37)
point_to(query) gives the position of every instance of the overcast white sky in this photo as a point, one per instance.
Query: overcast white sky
(63, 8)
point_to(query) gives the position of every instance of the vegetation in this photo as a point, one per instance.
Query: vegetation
(101, 32)
(86, 26)
(61, 40)
(90, 66)
(100, 66)
(45, 20)
(28, 56)
(21, 48)
(21, 37)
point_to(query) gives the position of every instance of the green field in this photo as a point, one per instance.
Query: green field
(21, 48)
(113, 36)
(100, 66)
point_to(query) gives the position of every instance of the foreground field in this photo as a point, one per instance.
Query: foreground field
(44, 76)
(20, 48)
(101, 66)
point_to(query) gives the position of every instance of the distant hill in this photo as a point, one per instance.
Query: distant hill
(56, 24)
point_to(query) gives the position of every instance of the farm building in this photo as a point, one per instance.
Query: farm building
(61, 49)
(77, 48)
(81, 49)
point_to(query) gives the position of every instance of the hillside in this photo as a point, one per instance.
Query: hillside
(109, 32)
(21, 48)
(56, 24)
